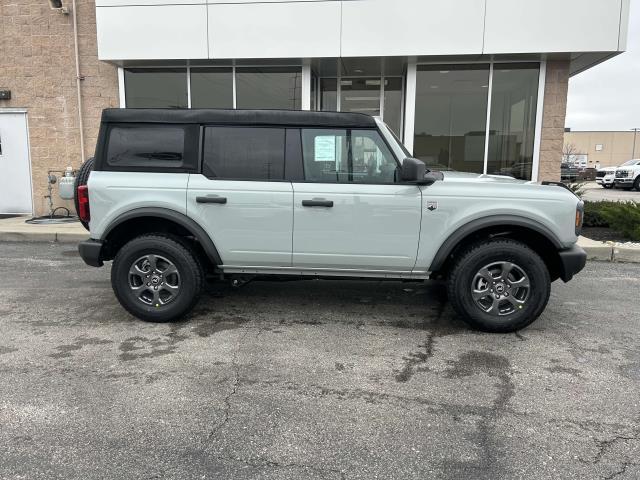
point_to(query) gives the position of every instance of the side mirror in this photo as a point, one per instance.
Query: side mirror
(413, 171)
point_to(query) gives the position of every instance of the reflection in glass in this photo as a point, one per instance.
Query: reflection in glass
(514, 96)
(393, 104)
(328, 94)
(211, 88)
(451, 115)
(155, 87)
(361, 95)
(269, 87)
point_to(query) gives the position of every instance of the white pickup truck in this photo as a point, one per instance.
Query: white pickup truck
(175, 195)
(627, 175)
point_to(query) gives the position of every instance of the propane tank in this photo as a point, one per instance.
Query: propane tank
(65, 184)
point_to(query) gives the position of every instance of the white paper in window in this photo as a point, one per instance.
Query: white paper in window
(325, 148)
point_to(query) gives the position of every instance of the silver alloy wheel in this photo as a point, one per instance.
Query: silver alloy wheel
(500, 288)
(154, 280)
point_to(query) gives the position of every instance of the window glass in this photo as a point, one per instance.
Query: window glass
(155, 87)
(328, 94)
(393, 104)
(451, 116)
(361, 95)
(159, 146)
(514, 98)
(212, 88)
(269, 87)
(244, 153)
(337, 156)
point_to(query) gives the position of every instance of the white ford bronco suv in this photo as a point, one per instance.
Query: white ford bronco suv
(174, 196)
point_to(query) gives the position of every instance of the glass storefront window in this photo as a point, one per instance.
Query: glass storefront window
(393, 104)
(361, 95)
(212, 88)
(451, 116)
(156, 87)
(514, 97)
(328, 94)
(269, 87)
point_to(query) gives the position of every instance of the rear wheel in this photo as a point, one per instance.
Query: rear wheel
(499, 285)
(81, 179)
(156, 278)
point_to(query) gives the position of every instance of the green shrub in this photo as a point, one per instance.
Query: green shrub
(577, 188)
(624, 218)
(593, 213)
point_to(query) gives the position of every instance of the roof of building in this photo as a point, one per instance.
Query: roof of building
(297, 118)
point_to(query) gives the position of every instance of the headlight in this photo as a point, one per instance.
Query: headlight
(579, 218)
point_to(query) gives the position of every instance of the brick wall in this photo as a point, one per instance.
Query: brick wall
(555, 107)
(37, 64)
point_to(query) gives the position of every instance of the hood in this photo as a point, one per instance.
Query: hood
(607, 169)
(481, 178)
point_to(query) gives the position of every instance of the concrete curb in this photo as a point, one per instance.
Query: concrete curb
(608, 252)
(60, 237)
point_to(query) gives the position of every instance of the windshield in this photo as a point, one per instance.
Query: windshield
(629, 162)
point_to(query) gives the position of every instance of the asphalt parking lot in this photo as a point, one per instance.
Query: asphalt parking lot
(312, 380)
(594, 193)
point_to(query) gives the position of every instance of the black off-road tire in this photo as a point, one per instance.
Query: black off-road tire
(636, 184)
(189, 268)
(479, 255)
(81, 179)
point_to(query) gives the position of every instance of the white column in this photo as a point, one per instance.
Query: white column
(121, 94)
(539, 111)
(188, 87)
(410, 104)
(306, 84)
(488, 120)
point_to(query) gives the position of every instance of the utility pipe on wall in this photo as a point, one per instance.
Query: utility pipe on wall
(78, 79)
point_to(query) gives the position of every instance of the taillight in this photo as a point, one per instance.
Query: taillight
(83, 203)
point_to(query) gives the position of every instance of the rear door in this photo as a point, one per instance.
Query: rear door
(241, 197)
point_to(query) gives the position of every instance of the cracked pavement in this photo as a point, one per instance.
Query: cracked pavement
(312, 380)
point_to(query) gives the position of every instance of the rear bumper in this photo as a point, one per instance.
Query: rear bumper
(572, 261)
(90, 252)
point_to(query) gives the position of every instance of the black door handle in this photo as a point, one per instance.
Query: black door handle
(211, 199)
(317, 203)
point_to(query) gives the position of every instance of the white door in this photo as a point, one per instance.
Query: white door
(241, 198)
(350, 213)
(15, 165)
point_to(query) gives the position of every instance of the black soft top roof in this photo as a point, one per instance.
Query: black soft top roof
(296, 118)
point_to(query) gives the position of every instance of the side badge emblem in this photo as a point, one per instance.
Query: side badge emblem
(431, 206)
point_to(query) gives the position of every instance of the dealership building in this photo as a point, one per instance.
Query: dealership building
(469, 85)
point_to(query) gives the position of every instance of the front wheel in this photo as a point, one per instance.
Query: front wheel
(156, 278)
(636, 184)
(499, 285)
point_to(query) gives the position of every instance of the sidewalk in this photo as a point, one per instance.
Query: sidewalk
(16, 230)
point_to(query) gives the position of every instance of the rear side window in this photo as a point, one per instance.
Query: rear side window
(150, 147)
(244, 153)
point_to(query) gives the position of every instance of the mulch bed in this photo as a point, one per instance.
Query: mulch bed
(603, 234)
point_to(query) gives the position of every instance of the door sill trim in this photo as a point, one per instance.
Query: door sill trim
(328, 272)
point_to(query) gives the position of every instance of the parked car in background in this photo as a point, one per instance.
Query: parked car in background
(605, 176)
(568, 172)
(628, 175)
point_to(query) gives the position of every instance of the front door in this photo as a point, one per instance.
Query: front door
(15, 165)
(350, 213)
(241, 198)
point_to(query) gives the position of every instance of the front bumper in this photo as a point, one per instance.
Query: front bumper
(90, 252)
(605, 180)
(572, 261)
(624, 182)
